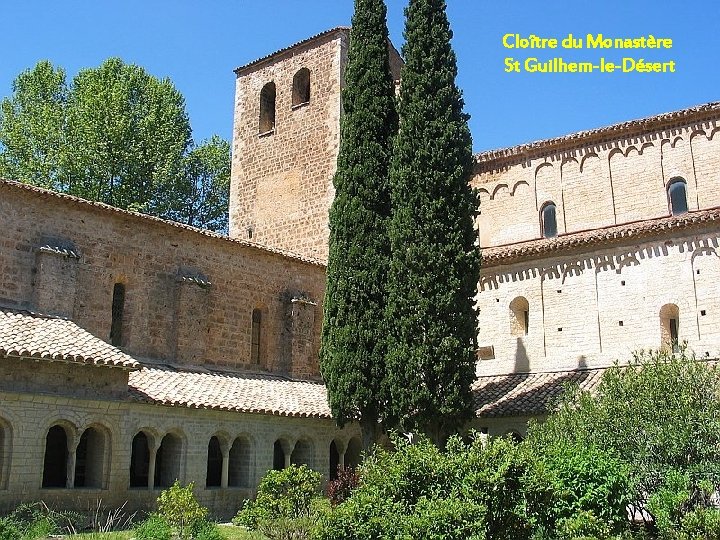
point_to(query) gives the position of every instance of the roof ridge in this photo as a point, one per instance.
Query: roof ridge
(13, 184)
(579, 138)
(305, 41)
(507, 253)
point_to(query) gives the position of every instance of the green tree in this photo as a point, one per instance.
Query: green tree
(32, 123)
(200, 197)
(660, 415)
(435, 265)
(353, 347)
(127, 132)
(116, 135)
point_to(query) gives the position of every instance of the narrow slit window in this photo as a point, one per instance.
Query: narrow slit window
(670, 327)
(118, 310)
(677, 196)
(548, 220)
(674, 335)
(519, 316)
(301, 88)
(267, 109)
(256, 329)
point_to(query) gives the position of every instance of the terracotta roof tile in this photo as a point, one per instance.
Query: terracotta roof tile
(289, 47)
(32, 335)
(46, 193)
(240, 392)
(525, 394)
(492, 159)
(494, 256)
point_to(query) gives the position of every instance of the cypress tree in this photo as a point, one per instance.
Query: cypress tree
(435, 265)
(352, 355)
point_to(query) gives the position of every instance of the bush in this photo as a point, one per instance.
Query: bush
(342, 487)
(206, 530)
(9, 529)
(578, 485)
(155, 527)
(284, 494)
(418, 492)
(659, 415)
(701, 524)
(582, 526)
(38, 520)
(178, 506)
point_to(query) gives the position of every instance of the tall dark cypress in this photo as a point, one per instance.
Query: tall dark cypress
(435, 264)
(352, 356)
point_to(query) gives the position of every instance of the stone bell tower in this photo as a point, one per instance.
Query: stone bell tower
(286, 137)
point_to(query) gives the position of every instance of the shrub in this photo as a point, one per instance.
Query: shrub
(418, 492)
(287, 493)
(701, 524)
(178, 506)
(582, 526)
(205, 530)
(341, 487)
(578, 485)
(9, 529)
(155, 527)
(38, 520)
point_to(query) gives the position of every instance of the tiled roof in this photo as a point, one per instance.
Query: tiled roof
(240, 392)
(493, 256)
(526, 394)
(31, 335)
(289, 47)
(48, 194)
(493, 158)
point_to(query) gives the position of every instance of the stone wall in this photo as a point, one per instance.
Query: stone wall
(281, 182)
(619, 179)
(189, 296)
(25, 420)
(591, 308)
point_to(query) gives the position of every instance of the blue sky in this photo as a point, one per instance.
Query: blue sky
(198, 44)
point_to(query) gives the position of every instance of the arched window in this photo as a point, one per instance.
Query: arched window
(353, 453)
(548, 220)
(267, 108)
(167, 461)
(670, 327)
(5, 448)
(519, 316)
(213, 477)
(677, 196)
(334, 461)
(56, 458)
(255, 337)
(118, 308)
(90, 459)
(302, 454)
(239, 466)
(301, 87)
(278, 456)
(139, 461)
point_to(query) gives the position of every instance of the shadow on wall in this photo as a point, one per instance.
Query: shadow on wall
(522, 362)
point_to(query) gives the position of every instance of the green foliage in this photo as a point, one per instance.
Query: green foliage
(418, 492)
(352, 356)
(31, 126)
(9, 529)
(200, 197)
(701, 524)
(660, 416)
(584, 485)
(155, 527)
(116, 135)
(582, 526)
(435, 265)
(284, 502)
(204, 529)
(178, 506)
(38, 520)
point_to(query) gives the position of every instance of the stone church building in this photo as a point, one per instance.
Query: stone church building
(134, 351)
